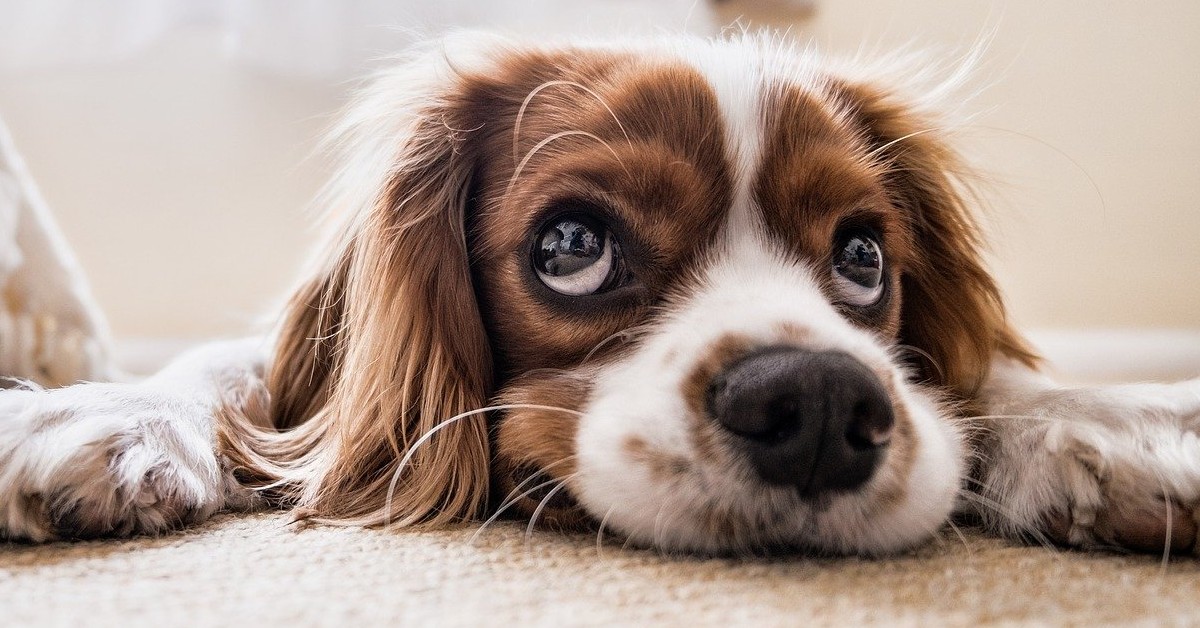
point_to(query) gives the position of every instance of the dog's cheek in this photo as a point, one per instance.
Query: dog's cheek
(535, 459)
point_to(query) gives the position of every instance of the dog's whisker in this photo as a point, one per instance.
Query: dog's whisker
(391, 492)
(600, 532)
(997, 508)
(537, 512)
(508, 499)
(961, 537)
(1012, 417)
(925, 354)
(1168, 521)
(875, 153)
(626, 335)
(501, 510)
(552, 138)
(537, 90)
(514, 496)
(1095, 186)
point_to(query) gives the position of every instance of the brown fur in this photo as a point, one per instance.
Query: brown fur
(423, 308)
(379, 350)
(952, 308)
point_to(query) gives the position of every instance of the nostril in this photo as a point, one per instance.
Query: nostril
(870, 425)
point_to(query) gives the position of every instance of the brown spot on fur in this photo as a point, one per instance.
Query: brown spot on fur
(665, 467)
(793, 333)
(709, 440)
(1146, 525)
(816, 180)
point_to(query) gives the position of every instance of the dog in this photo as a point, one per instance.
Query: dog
(712, 296)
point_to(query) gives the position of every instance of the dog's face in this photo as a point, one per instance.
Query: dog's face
(720, 291)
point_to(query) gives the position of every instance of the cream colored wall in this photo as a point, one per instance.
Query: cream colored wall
(1089, 131)
(181, 179)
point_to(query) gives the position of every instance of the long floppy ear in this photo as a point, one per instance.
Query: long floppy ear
(952, 309)
(384, 342)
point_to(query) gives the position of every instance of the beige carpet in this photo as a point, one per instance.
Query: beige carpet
(254, 570)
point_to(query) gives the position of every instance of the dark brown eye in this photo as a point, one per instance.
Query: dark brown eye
(576, 256)
(858, 268)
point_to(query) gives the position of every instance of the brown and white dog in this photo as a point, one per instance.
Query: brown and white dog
(712, 296)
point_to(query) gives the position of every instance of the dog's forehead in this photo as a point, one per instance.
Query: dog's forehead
(696, 136)
(799, 158)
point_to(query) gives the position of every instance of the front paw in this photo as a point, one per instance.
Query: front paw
(1099, 468)
(104, 460)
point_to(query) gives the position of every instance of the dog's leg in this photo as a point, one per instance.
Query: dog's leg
(1100, 466)
(51, 330)
(118, 459)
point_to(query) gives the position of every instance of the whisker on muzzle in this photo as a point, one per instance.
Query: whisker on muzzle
(515, 495)
(537, 512)
(403, 464)
(979, 499)
(625, 335)
(600, 532)
(924, 354)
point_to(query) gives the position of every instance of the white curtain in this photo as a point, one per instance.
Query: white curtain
(303, 37)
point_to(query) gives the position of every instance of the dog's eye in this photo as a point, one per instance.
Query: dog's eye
(858, 268)
(576, 256)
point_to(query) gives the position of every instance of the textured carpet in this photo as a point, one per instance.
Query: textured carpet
(255, 570)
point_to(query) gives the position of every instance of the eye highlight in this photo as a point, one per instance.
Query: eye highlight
(858, 268)
(576, 256)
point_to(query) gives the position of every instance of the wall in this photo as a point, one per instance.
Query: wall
(181, 179)
(1088, 132)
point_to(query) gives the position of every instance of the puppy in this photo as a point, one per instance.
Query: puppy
(711, 296)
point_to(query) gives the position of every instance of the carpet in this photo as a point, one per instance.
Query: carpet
(257, 570)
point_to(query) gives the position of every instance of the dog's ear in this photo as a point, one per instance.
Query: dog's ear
(951, 307)
(384, 343)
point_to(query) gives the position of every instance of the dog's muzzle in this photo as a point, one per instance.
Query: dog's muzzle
(818, 421)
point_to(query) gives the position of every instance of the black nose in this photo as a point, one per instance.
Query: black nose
(819, 421)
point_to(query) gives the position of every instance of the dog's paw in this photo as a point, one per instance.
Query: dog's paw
(105, 460)
(1115, 467)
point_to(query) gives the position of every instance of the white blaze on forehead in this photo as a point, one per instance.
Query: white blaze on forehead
(736, 76)
(743, 74)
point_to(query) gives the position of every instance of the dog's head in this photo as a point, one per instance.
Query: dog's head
(720, 294)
